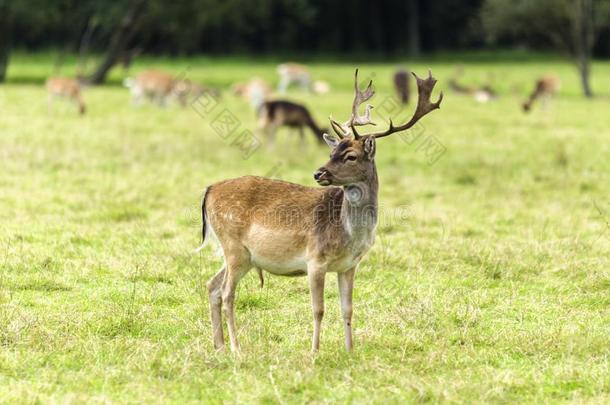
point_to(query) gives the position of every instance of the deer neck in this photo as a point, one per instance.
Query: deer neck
(359, 209)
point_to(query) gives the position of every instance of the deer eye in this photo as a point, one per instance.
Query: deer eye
(350, 158)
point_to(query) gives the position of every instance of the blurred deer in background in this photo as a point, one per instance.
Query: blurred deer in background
(65, 88)
(546, 87)
(401, 85)
(255, 91)
(482, 95)
(154, 85)
(186, 91)
(292, 230)
(278, 113)
(293, 73)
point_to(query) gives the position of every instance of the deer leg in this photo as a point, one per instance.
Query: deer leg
(236, 269)
(316, 285)
(283, 85)
(214, 287)
(346, 286)
(270, 131)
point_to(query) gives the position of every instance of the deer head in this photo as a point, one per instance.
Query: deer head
(352, 157)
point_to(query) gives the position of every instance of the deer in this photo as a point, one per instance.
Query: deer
(186, 91)
(545, 88)
(66, 88)
(155, 85)
(293, 73)
(255, 91)
(401, 85)
(483, 94)
(288, 229)
(277, 113)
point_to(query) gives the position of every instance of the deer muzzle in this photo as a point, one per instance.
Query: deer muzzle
(322, 176)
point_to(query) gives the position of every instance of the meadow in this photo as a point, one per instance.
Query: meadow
(489, 280)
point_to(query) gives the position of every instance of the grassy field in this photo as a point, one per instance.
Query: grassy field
(489, 280)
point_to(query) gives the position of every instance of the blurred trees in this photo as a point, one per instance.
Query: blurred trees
(15, 14)
(115, 28)
(570, 26)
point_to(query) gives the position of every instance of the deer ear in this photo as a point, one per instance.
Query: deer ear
(369, 147)
(330, 140)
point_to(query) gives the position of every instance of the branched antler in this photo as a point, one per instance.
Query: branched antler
(424, 106)
(356, 120)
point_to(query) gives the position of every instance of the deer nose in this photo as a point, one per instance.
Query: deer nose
(318, 174)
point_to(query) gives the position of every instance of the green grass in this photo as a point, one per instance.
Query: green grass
(489, 280)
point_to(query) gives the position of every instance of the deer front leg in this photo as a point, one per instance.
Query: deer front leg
(346, 287)
(214, 287)
(316, 285)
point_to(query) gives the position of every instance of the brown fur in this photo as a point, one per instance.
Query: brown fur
(289, 229)
(292, 230)
(67, 88)
(293, 73)
(481, 94)
(154, 85)
(255, 91)
(545, 88)
(186, 92)
(401, 85)
(275, 114)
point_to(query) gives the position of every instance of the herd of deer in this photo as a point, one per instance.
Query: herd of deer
(288, 229)
(159, 87)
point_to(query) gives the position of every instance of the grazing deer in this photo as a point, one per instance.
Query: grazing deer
(186, 92)
(546, 87)
(255, 91)
(292, 230)
(293, 73)
(278, 113)
(401, 85)
(66, 88)
(156, 86)
(482, 95)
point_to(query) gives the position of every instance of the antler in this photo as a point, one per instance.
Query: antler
(359, 97)
(424, 105)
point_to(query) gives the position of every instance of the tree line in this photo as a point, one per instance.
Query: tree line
(119, 29)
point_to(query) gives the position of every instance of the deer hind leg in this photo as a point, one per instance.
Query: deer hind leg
(214, 286)
(237, 266)
(283, 84)
(316, 285)
(269, 129)
(346, 287)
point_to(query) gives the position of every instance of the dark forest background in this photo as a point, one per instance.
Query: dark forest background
(121, 29)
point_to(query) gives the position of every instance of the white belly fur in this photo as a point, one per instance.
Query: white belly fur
(287, 266)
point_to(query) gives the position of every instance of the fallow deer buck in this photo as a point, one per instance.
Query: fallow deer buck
(545, 88)
(278, 113)
(66, 88)
(292, 230)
